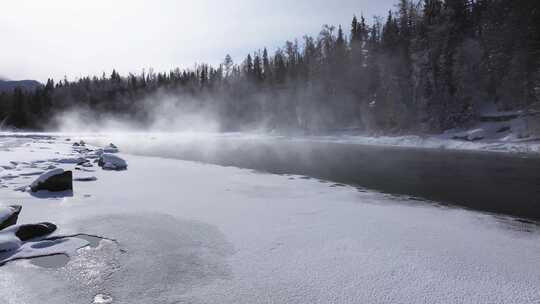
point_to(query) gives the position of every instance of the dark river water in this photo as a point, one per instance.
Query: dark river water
(495, 182)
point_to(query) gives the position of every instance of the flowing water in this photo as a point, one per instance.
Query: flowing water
(494, 182)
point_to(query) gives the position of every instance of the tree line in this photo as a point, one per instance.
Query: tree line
(427, 66)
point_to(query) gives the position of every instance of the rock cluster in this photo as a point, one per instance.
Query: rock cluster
(12, 235)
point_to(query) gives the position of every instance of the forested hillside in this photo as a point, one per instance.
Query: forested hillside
(425, 67)
(10, 86)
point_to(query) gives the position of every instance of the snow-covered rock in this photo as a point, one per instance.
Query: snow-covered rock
(17, 250)
(13, 237)
(112, 162)
(81, 143)
(46, 175)
(32, 231)
(87, 165)
(54, 180)
(30, 240)
(95, 154)
(8, 241)
(111, 148)
(9, 216)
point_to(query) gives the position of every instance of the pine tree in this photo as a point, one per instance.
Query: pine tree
(228, 65)
(248, 68)
(355, 37)
(257, 68)
(426, 65)
(279, 67)
(267, 68)
(19, 115)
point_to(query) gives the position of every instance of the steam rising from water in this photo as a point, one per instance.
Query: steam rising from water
(161, 112)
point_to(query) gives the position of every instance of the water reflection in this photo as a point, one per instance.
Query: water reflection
(493, 182)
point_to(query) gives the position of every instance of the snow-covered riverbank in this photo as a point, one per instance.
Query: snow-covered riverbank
(447, 141)
(196, 233)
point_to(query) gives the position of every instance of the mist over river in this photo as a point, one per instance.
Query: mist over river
(502, 183)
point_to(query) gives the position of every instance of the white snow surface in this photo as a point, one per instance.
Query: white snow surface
(196, 233)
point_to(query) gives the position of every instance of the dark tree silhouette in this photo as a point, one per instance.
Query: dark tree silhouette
(427, 66)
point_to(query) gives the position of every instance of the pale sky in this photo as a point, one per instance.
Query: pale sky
(53, 38)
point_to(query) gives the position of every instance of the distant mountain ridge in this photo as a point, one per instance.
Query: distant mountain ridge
(26, 85)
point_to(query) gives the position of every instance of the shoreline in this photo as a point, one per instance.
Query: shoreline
(478, 180)
(430, 142)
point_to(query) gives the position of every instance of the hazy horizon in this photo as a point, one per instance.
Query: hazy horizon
(65, 38)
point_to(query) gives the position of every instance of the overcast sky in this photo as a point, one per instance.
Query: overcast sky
(53, 38)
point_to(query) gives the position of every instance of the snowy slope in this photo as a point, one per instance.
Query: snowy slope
(195, 233)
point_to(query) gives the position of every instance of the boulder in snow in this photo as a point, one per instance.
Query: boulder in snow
(9, 216)
(79, 144)
(110, 161)
(8, 241)
(32, 231)
(55, 180)
(111, 148)
(14, 237)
